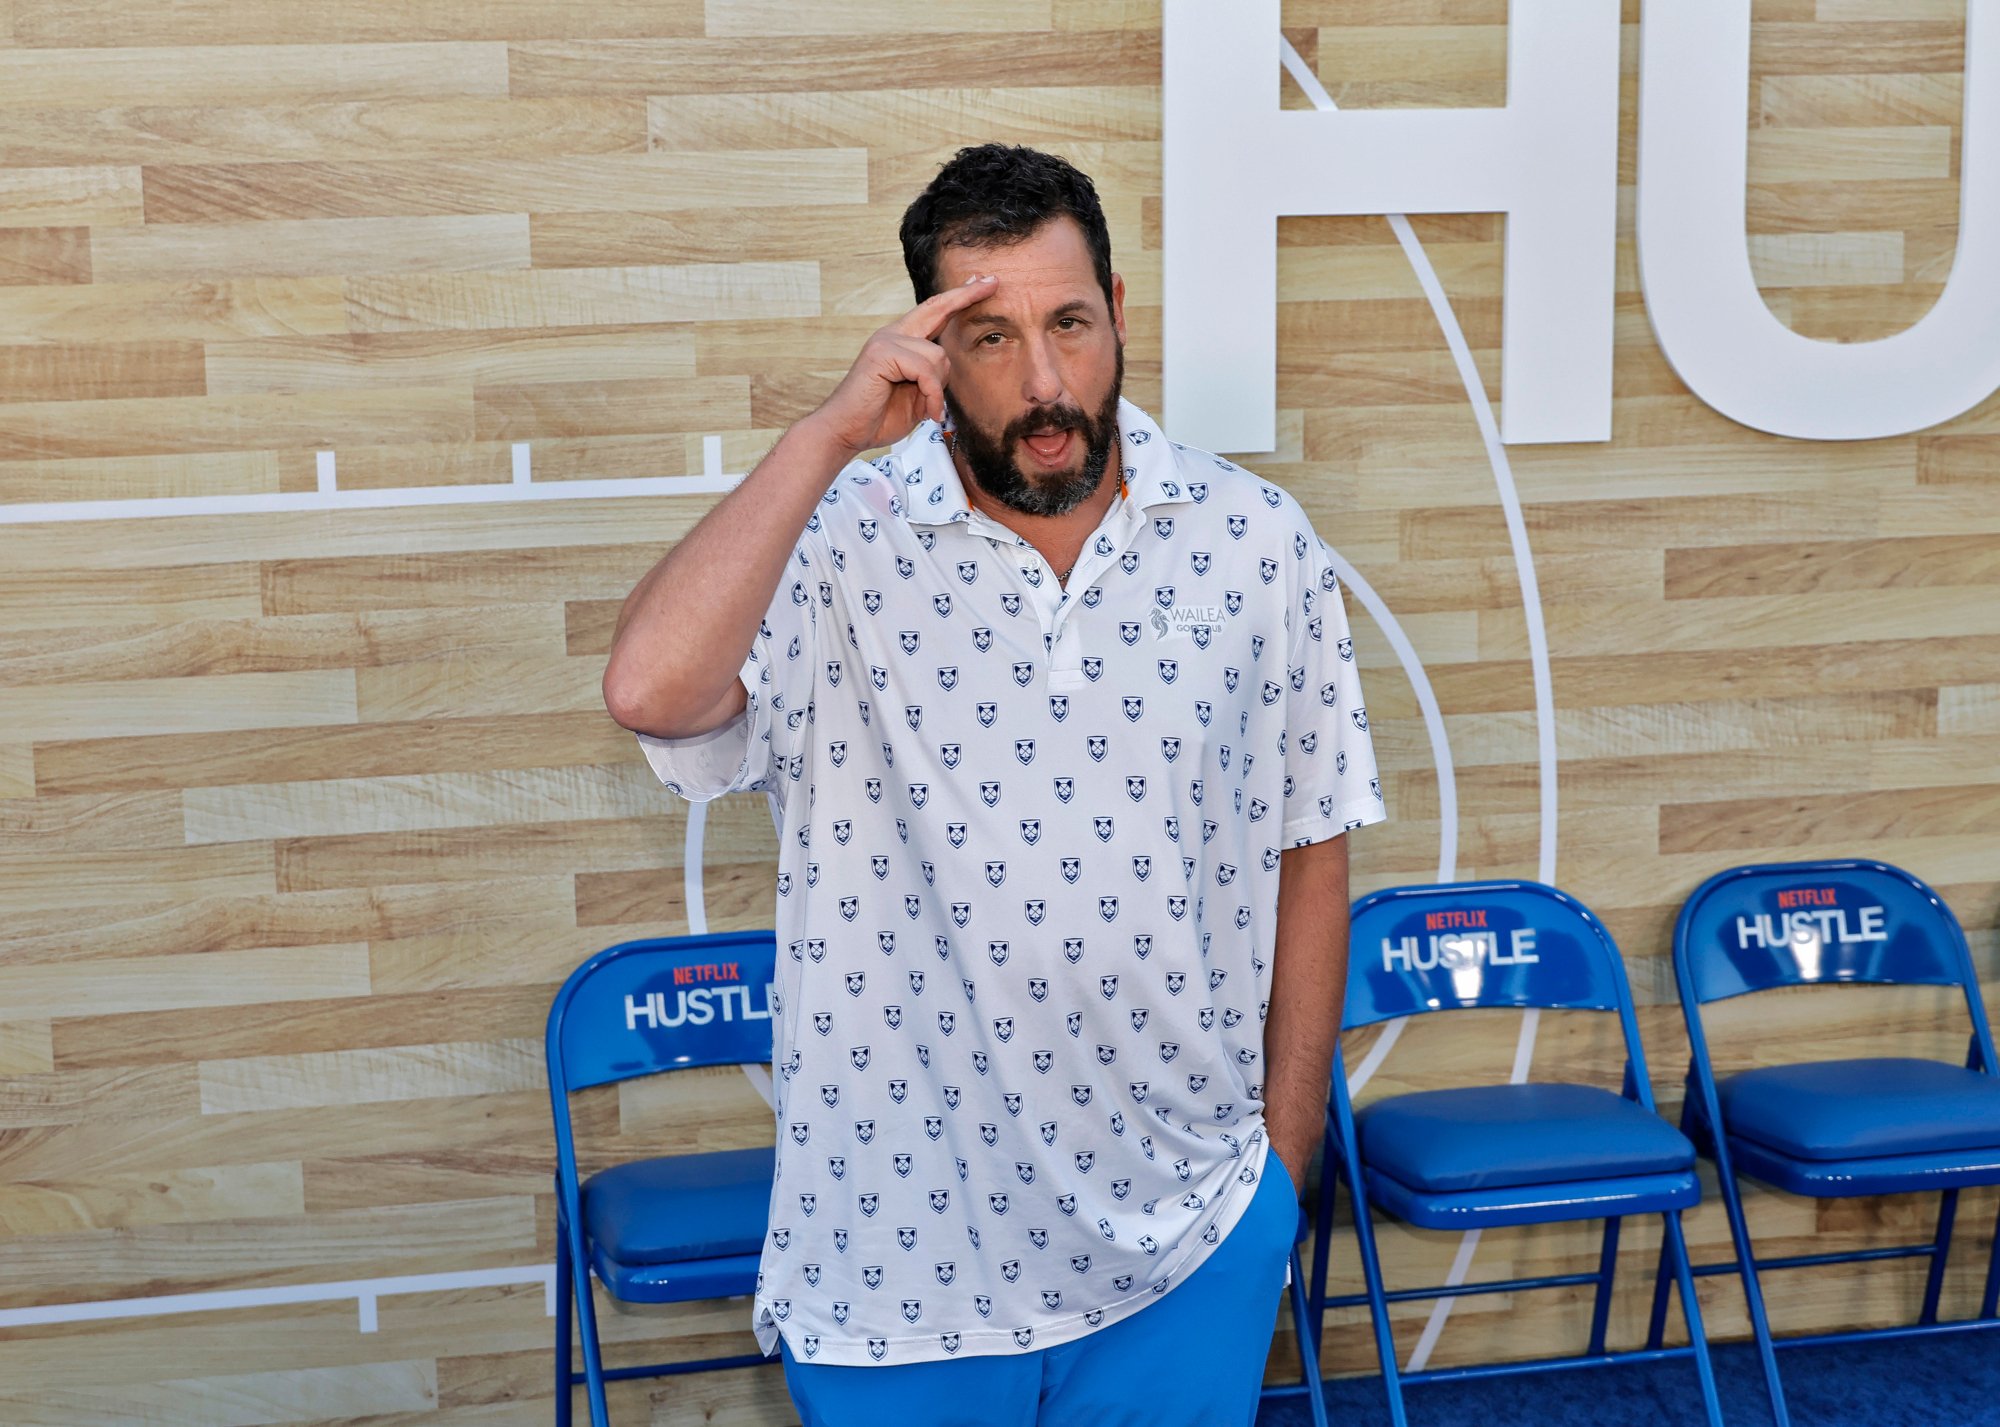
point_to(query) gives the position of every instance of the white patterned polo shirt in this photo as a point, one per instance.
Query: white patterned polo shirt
(1029, 843)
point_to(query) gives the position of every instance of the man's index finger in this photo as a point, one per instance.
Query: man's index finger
(928, 317)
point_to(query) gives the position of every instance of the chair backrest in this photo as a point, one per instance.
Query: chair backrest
(1773, 924)
(1455, 945)
(1797, 923)
(1460, 945)
(666, 1003)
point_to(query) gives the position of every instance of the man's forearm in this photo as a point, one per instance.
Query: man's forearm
(1308, 984)
(688, 625)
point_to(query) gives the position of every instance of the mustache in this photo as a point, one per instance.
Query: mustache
(1047, 423)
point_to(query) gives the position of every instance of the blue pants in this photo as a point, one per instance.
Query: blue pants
(1192, 1358)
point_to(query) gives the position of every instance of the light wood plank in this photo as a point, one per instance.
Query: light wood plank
(1046, 116)
(17, 770)
(432, 359)
(890, 60)
(335, 807)
(215, 193)
(26, 1048)
(275, 644)
(107, 986)
(1825, 259)
(188, 425)
(236, 73)
(98, 195)
(191, 705)
(185, 1196)
(764, 18)
(240, 1399)
(363, 130)
(94, 23)
(290, 1082)
(572, 297)
(1806, 156)
(311, 246)
(165, 312)
(371, 750)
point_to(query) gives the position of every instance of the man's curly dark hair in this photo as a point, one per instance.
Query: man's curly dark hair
(992, 195)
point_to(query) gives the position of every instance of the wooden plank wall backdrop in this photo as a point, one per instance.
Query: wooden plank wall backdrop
(303, 815)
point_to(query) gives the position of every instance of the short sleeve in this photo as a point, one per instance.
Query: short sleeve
(1331, 783)
(764, 748)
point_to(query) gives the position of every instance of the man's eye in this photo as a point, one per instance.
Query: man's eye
(1068, 323)
(991, 339)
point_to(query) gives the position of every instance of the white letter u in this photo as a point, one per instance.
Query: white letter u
(1694, 261)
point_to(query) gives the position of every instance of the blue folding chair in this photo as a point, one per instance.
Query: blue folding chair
(672, 1229)
(1492, 1155)
(1835, 1128)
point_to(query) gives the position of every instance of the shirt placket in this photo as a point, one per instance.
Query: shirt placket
(1062, 644)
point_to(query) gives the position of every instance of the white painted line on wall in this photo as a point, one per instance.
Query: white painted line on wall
(711, 455)
(279, 502)
(523, 464)
(324, 471)
(1538, 647)
(364, 1291)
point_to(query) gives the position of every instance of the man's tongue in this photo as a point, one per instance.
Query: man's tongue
(1048, 444)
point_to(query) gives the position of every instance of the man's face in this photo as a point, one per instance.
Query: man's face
(1036, 369)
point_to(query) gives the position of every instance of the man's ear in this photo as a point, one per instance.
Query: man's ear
(1118, 304)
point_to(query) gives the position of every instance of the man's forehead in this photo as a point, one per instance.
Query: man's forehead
(1031, 289)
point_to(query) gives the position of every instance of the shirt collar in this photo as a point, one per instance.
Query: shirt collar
(934, 495)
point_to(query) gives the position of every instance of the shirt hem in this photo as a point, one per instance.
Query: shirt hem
(692, 768)
(1365, 811)
(992, 1342)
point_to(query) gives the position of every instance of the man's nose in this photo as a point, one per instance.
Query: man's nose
(1041, 382)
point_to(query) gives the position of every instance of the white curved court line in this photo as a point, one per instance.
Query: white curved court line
(1447, 776)
(1538, 642)
(692, 872)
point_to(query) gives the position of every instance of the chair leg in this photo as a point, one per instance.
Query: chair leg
(1691, 1310)
(1656, 1326)
(563, 1375)
(1940, 1247)
(1308, 1345)
(1323, 1232)
(1607, 1267)
(1378, 1306)
(1663, 1277)
(1753, 1289)
(586, 1322)
(1989, 1302)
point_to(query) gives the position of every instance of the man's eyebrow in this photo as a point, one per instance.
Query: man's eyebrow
(1072, 308)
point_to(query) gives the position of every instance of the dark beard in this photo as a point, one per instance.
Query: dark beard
(991, 459)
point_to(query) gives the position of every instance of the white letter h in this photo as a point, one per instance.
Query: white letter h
(1234, 162)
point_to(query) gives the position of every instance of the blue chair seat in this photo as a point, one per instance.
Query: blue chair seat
(1466, 1209)
(681, 1207)
(1861, 1109)
(1878, 1174)
(1487, 1137)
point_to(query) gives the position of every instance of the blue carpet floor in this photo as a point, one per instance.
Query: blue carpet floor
(1950, 1381)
